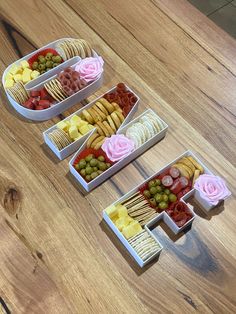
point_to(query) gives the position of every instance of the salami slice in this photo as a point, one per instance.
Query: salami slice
(184, 182)
(133, 100)
(167, 181)
(182, 222)
(174, 172)
(176, 187)
(68, 70)
(179, 216)
(121, 86)
(65, 82)
(68, 76)
(75, 76)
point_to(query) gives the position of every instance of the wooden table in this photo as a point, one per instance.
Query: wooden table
(57, 256)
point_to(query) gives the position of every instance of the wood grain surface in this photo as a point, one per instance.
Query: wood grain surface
(57, 255)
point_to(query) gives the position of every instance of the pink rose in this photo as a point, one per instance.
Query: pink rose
(212, 188)
(117, 147)
(90, 69)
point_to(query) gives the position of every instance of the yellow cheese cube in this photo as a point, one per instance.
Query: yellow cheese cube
(15, 69)
(27, 70)
(26, 77)
(122, 210)
(132, 229)
(24, 64)
(114, 218)
(8, 76)
(17, 77)
(75, 120)
(9, 83)
(122, 222)
(83, 129)
(82, 123)
(111, 211)
(34, 74)
(73, 132)
(68, 125)
(62, 125)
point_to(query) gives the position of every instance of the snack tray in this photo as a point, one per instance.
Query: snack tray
(46, 114)
(88, 186)
(160, 216)
(70, 149)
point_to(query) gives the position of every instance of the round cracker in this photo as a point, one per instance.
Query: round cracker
(150, 127)
(99, 112)
(88, 116)
(116, 119)
(64, 49)
(112, 125)
(104, 129)
(120, 115)
(97, 140)
(111, 132)
(136, 139)
(92, 138)
(187, 162)
(87, 48)
(100, 131)
(110, 108)
(51, 92)
(99, 144)
(94, 114)
(116, 106)
(102, 108)
(58, 88)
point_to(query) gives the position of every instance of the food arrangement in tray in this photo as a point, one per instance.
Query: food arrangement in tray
(118, 141)
(102, 116)
(163, 197)
(46, 79)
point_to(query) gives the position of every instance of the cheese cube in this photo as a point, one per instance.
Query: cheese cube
(9, 83)
(27, 70)
(34, 74)
(132, 229)
(26, 76)
(17, 77)
(68, 126)
(114, 218)
(83, 129)
(75, 120)
(15, 69)
(122, 211)
(111, 211)
(73, 132)
(24, 64)
(62, 125)
(122, 222)
(8, 76)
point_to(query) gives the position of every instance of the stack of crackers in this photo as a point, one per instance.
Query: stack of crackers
(106, 117)
(54, 88)
(148, 126)
(70, 48)
(18, 92)
(60, 138)
(95, 141)
(139, 208)
(144, 244)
